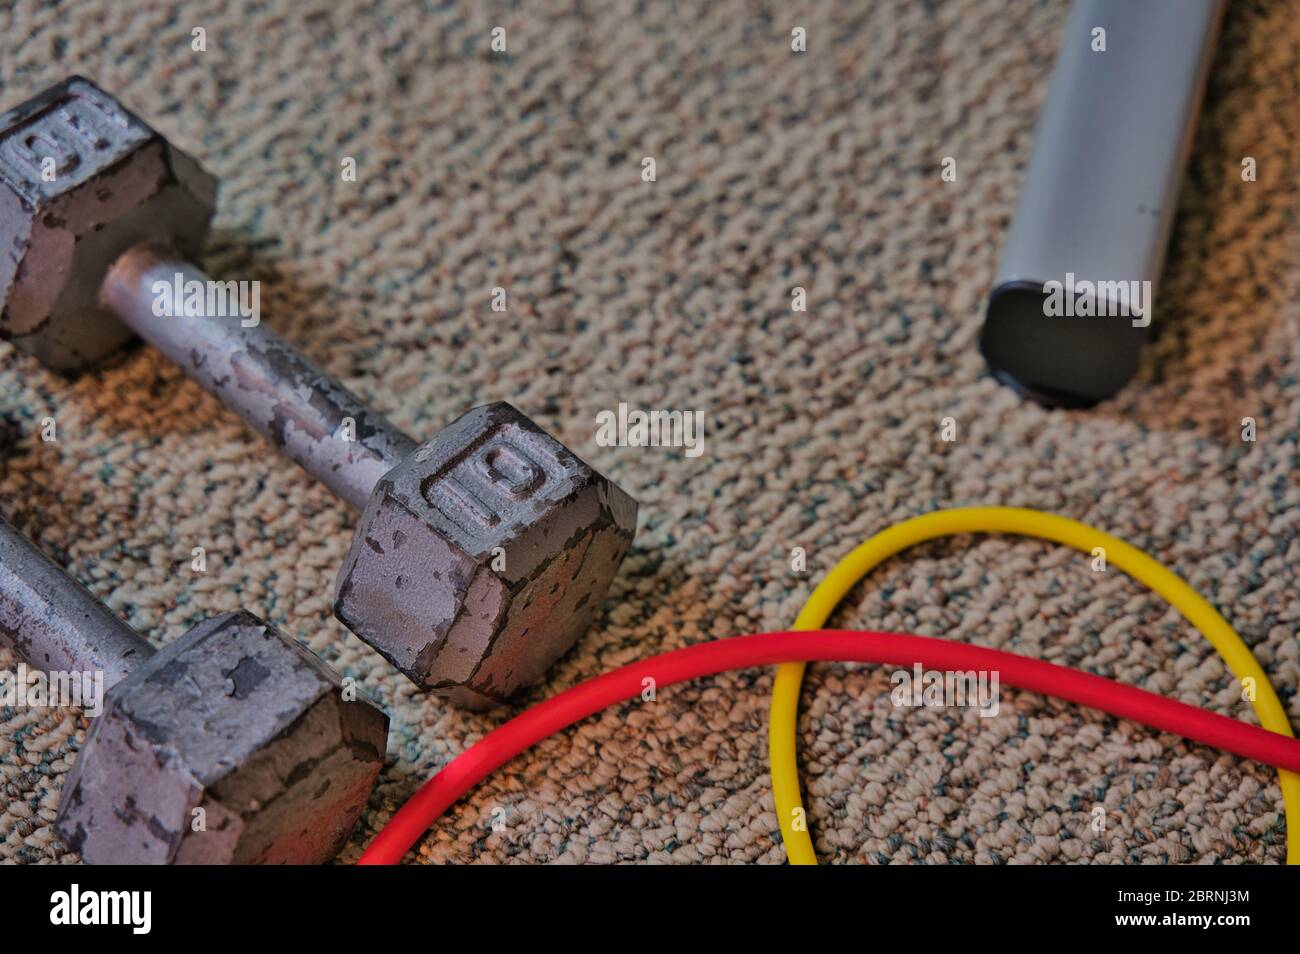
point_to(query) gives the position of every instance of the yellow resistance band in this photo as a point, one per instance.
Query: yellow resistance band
(1029, 523)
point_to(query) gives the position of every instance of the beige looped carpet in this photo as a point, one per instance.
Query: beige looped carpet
(774, 170)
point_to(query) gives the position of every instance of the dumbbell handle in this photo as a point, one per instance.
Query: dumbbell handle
(55, 622)
(293, 403)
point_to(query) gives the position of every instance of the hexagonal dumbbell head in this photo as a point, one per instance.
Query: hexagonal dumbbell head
(81, 181)
(481, 558)
(237, 721)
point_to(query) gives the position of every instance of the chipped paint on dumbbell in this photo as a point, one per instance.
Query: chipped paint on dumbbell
(238, 722)
(57, 625)
(294, 404)
(58, 236)
(232, 720)
(469, 627)
(484, 556)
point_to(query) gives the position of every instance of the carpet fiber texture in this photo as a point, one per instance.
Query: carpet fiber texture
(773, 170)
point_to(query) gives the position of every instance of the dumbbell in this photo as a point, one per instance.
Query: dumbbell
(480, 556)
(230, 745)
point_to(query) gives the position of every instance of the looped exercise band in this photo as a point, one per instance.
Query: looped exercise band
(1031, 523)
(504, 743)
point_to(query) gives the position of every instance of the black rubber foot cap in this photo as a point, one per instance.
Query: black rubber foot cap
(1058, 362)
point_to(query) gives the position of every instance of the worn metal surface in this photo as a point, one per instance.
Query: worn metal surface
(233, 719)
(55, 622)
(256, 374)
(483, 556)
(117, 185)
(235, 727)
(124, 212)
(418, 584)
(81, 180)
